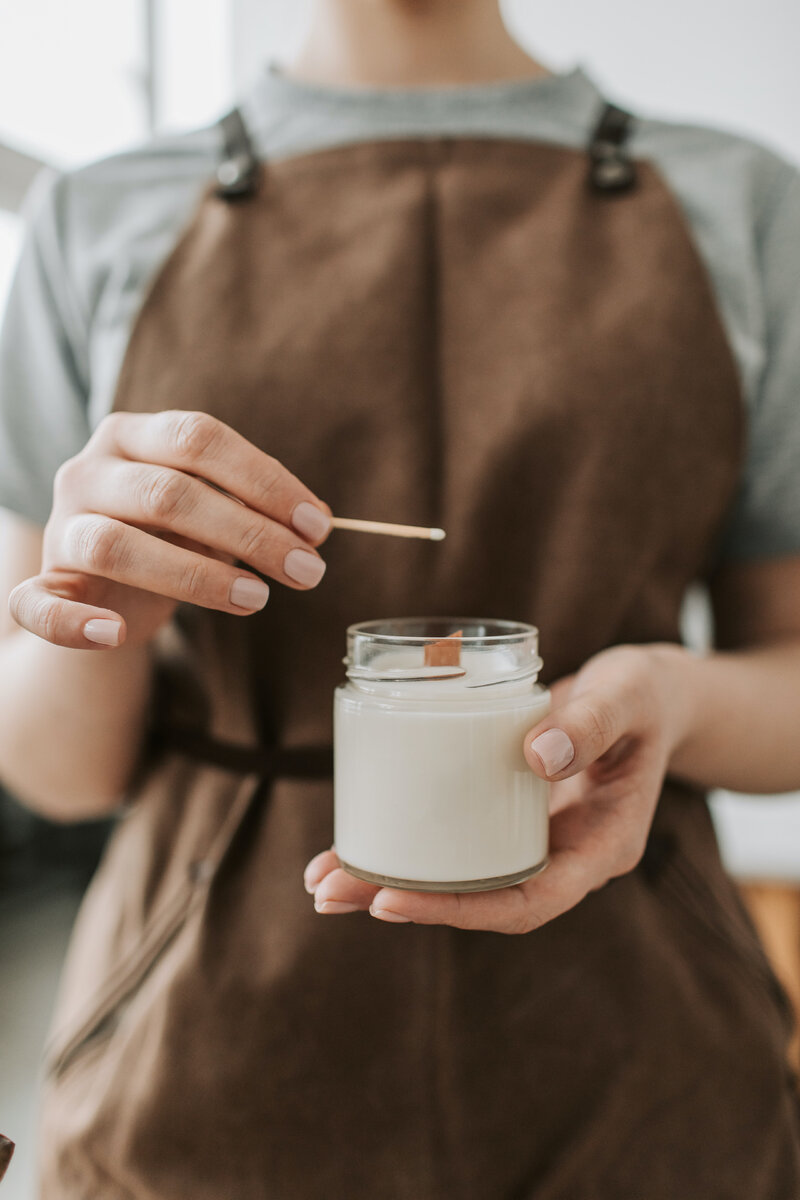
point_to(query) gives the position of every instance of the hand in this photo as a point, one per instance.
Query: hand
(606, 744)
(155, 510)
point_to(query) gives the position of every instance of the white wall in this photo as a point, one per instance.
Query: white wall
(194, 67)
(730, 62)
(265, 30)
(70, 77)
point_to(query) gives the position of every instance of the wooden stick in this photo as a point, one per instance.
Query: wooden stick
(407, 531)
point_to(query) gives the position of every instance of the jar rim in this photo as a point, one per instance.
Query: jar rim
(378, 630)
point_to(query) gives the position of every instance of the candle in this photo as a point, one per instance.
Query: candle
(432, 790)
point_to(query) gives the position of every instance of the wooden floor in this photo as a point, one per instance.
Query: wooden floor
(775, 909)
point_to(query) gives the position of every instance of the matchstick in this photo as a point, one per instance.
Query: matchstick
(407, 531)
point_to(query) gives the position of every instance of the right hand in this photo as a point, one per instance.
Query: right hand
(135, 528)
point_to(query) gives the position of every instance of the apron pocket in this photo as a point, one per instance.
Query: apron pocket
(112, 1001)
(96, 1021)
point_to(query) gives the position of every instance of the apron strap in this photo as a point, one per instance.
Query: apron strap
(237, 173)
(270, 762)
(610, 167)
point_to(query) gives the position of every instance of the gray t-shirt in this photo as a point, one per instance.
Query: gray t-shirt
(98, 235)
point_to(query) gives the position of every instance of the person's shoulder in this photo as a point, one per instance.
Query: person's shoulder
(705, 159)
(147, 182)
(102, 192)
(82, 219)
(169, 156)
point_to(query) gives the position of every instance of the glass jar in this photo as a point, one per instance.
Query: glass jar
(431, 787)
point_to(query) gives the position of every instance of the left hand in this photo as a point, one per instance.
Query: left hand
(606, 745)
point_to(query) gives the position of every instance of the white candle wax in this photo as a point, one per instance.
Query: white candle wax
(431, 784)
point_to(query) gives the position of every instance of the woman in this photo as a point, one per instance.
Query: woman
(429, 282)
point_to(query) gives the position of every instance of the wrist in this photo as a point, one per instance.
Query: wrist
(673, 673)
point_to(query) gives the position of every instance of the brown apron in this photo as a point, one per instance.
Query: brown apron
(454, 332)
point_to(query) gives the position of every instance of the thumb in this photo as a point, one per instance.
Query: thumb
(575, 735)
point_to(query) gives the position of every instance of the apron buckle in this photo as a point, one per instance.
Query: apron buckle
(236, 176)
(610, 167)
(237, 173)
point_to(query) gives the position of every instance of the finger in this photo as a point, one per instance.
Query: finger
(319, 866)
(591, 842)
(62, 621)
(97, 545)
(502, 910)
(339, 892)
(565, 792)
(162, 498)
(191, 544)
(333, 889)
(197, 443)
(560, 691)
(580, 731)
(587, 850)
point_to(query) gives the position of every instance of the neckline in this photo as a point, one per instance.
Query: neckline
(570, 94)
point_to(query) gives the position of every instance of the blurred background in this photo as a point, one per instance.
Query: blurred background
(82, 79)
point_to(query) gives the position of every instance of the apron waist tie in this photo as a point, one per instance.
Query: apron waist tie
(275, 762)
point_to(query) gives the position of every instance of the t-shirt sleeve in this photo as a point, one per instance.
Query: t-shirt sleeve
(43, 360)
(765, 522)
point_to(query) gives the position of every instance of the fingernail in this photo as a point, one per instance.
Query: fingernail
(386, 914)
(105, 633)
(250, 594)
(335, 906)
(555, 749)
(311, 521)
(312, 882)
(303, 567)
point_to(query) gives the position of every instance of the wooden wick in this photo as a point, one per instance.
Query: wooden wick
(407, 531)
(446, 653)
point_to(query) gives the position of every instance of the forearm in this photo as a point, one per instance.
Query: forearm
(737, 716)
(71, 723)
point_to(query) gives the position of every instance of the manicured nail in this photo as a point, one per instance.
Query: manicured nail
(249, 594)
(311, 521)
(303, 567)
(104, 632)
(335, 906)
(555, 749)
(386, 914)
